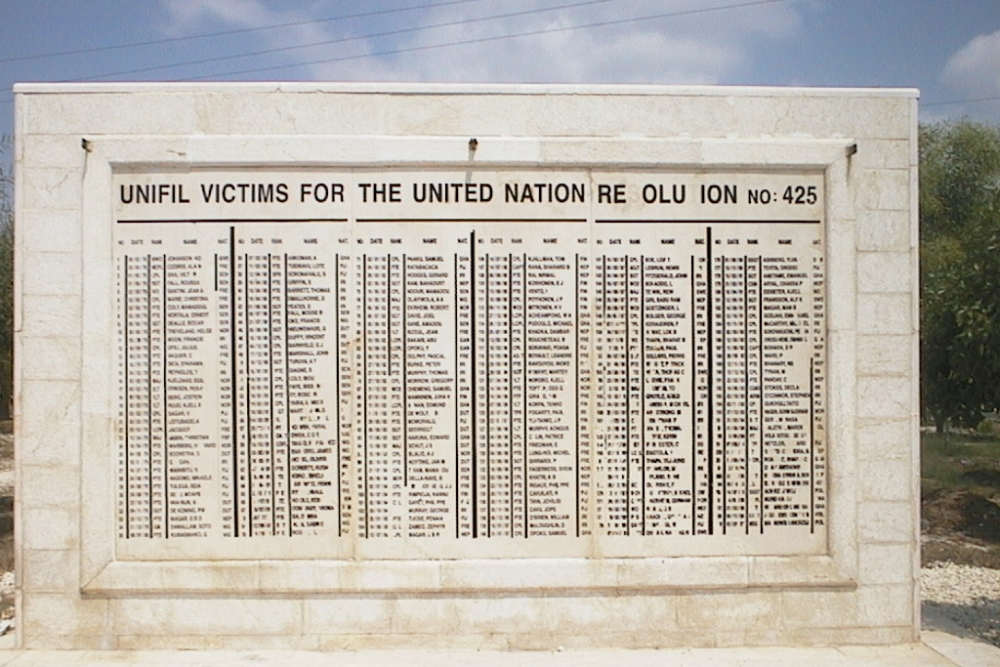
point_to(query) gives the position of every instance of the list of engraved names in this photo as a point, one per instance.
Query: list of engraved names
(410, 364)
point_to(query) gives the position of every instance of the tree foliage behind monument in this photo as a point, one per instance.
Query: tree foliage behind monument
(959, 272)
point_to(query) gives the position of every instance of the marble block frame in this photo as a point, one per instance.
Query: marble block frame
(71, 139)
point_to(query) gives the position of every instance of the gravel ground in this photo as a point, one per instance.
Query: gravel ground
(969, 596)
(6, 602)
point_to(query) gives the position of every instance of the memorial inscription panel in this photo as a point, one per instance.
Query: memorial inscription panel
(402, 364)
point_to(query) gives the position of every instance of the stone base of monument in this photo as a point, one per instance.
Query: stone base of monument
(939, 650)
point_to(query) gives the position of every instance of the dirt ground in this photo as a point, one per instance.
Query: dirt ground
(960, 498)
(960, 526)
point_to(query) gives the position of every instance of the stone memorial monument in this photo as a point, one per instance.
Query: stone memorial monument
(369, 366)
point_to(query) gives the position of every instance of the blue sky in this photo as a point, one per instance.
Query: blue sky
(950, 49)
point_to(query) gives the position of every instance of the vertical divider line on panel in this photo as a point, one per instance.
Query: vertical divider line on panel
(524, 386)
(337, 390)
(694, 403)
(760, 380)
(232, 372)
(403, 371)
(474, 383)
(710, 421)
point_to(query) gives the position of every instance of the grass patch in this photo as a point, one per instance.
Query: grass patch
(960, 461)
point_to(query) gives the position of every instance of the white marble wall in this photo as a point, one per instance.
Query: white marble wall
(72, 593)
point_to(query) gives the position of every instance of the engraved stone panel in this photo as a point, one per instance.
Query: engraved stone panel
(400, 364)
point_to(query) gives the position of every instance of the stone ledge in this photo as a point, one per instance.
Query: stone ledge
(477, 577)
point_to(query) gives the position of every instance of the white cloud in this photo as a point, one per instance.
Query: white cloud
(187, 17)
(692, 46)
(975, 69)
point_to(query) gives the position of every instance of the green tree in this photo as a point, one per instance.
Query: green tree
(959, 271)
